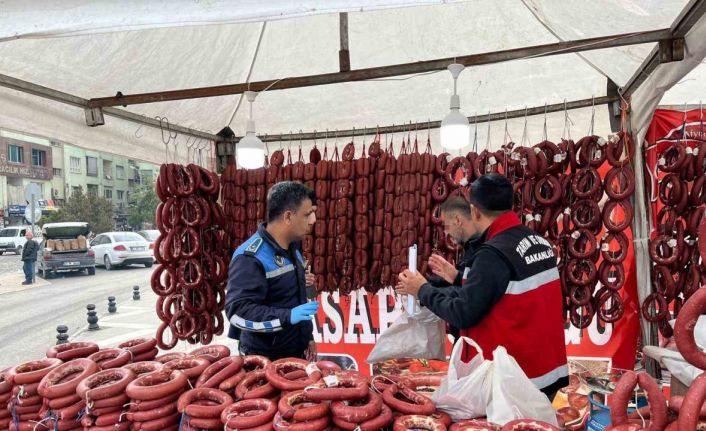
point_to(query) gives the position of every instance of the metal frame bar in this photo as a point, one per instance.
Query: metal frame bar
(484, 118)
(344, 55)
(564, 47)
(681, 26)
(70, 99)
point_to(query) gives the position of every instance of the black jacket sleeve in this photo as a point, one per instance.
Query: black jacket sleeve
(465, 306)
(437, 281)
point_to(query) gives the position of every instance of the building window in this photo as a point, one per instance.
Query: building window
(108, 193)
(14, 153)
(108, 169)
(91, 166)
(75, 165)
(39, 158)
(119, 172)
(57, 172)
(75, 190)
(92, 189)
(121, 194)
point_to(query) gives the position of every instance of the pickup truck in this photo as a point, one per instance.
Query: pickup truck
(53, 257)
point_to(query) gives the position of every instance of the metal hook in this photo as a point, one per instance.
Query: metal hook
(593, 114)
(487, 137)
(300, 139)
(475, 133)
(137, 130)
(524, 131)
(567, 123)
(545, 121)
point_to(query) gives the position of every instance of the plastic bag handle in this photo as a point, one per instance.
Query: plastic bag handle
(458, 348)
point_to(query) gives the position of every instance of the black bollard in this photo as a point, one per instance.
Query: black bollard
(112, 307)
(135, 293)
(62, 335)
(92, 317)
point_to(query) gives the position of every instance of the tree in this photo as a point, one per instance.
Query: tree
(143, 202)
(81, 207)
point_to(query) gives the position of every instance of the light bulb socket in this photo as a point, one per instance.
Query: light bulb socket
(455, 102)
(250, 127)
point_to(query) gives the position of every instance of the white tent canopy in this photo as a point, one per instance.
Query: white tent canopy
(94, 49)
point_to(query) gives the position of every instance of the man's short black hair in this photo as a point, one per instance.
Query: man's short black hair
(457, 204)
(492, 194)
(287, 196)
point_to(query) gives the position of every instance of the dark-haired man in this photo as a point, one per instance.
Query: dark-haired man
(266, 301)
(512, 295)
(455, 215)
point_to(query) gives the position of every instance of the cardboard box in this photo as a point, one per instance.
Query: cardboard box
(51, 244)
(82, 243)
(74, 244)
(67, 244)
(59, 245)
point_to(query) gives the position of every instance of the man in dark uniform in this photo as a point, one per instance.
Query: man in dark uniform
(512, 294)
(266, 301)
(456, 217)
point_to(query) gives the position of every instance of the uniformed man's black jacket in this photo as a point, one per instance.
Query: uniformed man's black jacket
(264, 283)
(469, 249)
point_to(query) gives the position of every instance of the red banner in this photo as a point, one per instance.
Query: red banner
(667, 127)
(347, 328)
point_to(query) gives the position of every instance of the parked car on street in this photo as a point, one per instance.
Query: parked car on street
(151, 237)
(13, 239)
(114, 249)
(64, 247)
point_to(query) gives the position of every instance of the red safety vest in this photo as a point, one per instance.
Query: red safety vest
(528, 319)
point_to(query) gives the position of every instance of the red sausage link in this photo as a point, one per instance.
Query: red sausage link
(105, 384)
(417, 422)
(55, 383)
(158, 384)
(275, 373)
(73, 350)
(33, 371)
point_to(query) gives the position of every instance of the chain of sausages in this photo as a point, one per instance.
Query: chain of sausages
(193, 255)
(677, 245)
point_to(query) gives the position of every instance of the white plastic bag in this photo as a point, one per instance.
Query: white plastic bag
(421, 335)
(514, 396)
(465, 392)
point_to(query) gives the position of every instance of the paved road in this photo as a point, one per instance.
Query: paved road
(29, 317)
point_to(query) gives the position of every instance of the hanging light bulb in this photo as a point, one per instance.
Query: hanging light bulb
(455, 131)
(250, 150)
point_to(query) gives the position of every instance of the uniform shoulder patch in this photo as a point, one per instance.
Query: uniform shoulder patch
(253, 247)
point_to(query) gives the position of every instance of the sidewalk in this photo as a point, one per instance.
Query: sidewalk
(12, 282)
(136, 319)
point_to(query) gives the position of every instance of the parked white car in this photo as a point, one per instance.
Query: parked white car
(13, 239)
(120, 249)
(151, 237)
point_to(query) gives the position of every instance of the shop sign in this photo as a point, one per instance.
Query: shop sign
(35, 172)
(16, 210)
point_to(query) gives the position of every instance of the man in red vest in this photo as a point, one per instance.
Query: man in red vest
(511, 295)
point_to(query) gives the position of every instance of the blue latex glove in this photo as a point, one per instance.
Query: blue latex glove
(303, 312)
